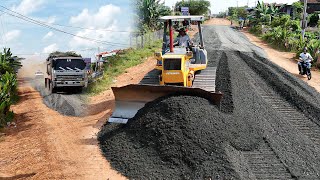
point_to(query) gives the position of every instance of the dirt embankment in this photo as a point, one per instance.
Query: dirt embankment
(47, 145)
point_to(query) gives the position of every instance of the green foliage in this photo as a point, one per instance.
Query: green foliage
(313, 19)
(8, 87)
(237, 12)
(257, 29)
(222, 15)
(118, 64)
(314, 48)
(196, 7)
(264, 14)
(9, 65)
(8, 62)
(148, 13)
(297, 10)
(284, 33)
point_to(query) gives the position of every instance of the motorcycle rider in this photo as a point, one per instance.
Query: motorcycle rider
(306, 58)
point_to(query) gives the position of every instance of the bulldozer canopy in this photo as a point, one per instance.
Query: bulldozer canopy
(182, 18)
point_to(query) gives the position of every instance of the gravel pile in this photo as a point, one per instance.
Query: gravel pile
(186, 137)
(179, 137)
(65, 104)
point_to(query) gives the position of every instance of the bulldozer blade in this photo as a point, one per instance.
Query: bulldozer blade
(129, 99)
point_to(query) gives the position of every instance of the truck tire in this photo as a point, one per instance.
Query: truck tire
(52, 90)
(79, 90)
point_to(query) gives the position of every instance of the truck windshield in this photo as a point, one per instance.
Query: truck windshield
(69, 64)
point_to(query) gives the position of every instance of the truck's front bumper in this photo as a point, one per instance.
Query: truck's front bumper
(69, 83)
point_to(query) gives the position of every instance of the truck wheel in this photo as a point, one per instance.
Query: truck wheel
(79, 90)
(53, 90)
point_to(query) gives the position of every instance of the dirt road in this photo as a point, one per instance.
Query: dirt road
(48, 145)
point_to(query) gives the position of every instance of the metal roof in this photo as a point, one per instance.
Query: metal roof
(182, 18)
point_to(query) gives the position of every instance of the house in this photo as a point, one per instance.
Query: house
(313, 6)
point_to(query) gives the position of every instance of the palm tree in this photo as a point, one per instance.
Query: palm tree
(8, 62)
(148, 12)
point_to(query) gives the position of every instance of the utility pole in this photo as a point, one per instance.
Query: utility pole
(237, 3)
(304, 21)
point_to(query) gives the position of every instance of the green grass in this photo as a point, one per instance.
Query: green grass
(118, 64)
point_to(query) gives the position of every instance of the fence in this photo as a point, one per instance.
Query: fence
(142, 40)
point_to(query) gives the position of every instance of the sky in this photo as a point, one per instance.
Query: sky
(222, 5)
(107, 21)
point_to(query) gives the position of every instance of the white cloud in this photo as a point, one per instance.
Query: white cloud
(104, 18)
(28, 6)
(51, 19)
(11, 35)
(51, 48)
(48, 35)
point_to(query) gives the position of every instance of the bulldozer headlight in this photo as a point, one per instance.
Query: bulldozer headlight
(190, 77)
(157, 54)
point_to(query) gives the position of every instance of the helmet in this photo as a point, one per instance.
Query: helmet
(305, 49)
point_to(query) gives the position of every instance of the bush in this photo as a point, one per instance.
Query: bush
(8, 87)
(257, 29)
(117, 65)
(313, 20)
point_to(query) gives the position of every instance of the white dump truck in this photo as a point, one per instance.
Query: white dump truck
(65, 71)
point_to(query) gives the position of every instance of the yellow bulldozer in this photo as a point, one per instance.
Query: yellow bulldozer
(179, 71)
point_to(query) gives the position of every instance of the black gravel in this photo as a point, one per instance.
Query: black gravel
(65, 103)
(185, 137)
(174, 138)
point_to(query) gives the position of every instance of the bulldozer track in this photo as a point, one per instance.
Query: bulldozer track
(206, 79)
(265, 164)
(151, 78)
(296, 118)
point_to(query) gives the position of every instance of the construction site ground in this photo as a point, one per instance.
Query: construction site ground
(48, 145)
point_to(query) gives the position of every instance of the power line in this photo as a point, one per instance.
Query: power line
(25, 18)
(93, 29)
(36, 54)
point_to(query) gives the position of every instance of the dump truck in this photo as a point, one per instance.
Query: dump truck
(179, 71)
(65, 71)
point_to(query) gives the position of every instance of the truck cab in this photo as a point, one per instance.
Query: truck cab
(66, 72)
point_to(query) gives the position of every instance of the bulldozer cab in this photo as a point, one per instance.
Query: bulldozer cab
(171, 22)
(199, 55)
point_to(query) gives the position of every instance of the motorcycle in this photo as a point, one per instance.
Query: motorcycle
(305, 70)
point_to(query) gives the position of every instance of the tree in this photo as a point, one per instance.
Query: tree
(8, 62)
(148, 14)
(9, 65)
(196, 7)
(297, 10)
